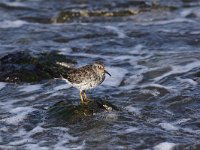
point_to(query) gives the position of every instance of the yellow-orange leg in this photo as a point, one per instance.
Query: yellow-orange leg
(85, 96)
(82, 100)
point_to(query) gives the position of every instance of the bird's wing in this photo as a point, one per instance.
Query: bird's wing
(73, 77)
(76, 75)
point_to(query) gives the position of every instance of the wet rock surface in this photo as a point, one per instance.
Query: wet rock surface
(23, 66)
(66, 112)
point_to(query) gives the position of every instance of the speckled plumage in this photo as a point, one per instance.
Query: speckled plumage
(86, 77)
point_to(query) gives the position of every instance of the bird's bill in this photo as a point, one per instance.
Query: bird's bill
(107, 73)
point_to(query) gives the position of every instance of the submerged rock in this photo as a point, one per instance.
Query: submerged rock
(110, 11)
(25, 67)
(64, 111)
(197, 74)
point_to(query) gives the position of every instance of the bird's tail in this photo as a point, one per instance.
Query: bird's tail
(66, 65)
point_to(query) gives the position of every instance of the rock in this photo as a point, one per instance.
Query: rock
(197, 74)
(25, 67)
(64, 111)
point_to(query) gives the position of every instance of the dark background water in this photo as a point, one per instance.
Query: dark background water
(152, 50)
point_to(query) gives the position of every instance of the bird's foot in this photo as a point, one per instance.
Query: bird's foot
(87, 101)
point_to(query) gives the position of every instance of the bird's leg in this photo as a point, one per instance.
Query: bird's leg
(82, 100)
(85, 97)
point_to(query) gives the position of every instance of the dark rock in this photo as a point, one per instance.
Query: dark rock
(110, 12)
(64, 111)
(25, 67)
(197, 74)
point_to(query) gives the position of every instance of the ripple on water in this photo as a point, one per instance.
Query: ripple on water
(63, 86)
(30, 88)
(14, 4)
(119, 32)
(169, 126)
(177, 69)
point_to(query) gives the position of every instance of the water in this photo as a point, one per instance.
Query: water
(152, 50)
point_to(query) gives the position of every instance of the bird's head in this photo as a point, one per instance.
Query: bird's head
(99, 68)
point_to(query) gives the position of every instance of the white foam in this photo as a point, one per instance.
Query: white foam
(78, 147)
(64, 138)
(20, 142)
(189, 11)
(122, 57)
(19, 114)
(54, 94)
(61, 134)
(151, 92)
(12, 24)
(50, 95)
(7, 147)
(189, 81)
(4, 129)
(2, 85)
(112, 116)
(21, 132)
(15, 4)
(134, 79)
(168, 30)
(35, 147)
(133, 109)
(30, 88)
(119, 32)
(168, 126)
(117, 75)
(163, 22)
(64, 134)
(61, 128)
(6, 105)
(137, 49)
(168, 88)
(89, 55)
(131, 82)
(130, 130)
(63, 86)
(186, 12)
(183, 120)
(129, 56)
(30, 98)
(65, 51)
(169, 112)
(180, 69)
(189, 130)
(195, 32)
(165, 146)
(37, 129)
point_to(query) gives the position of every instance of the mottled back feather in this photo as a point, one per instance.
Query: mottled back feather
(77, 75)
